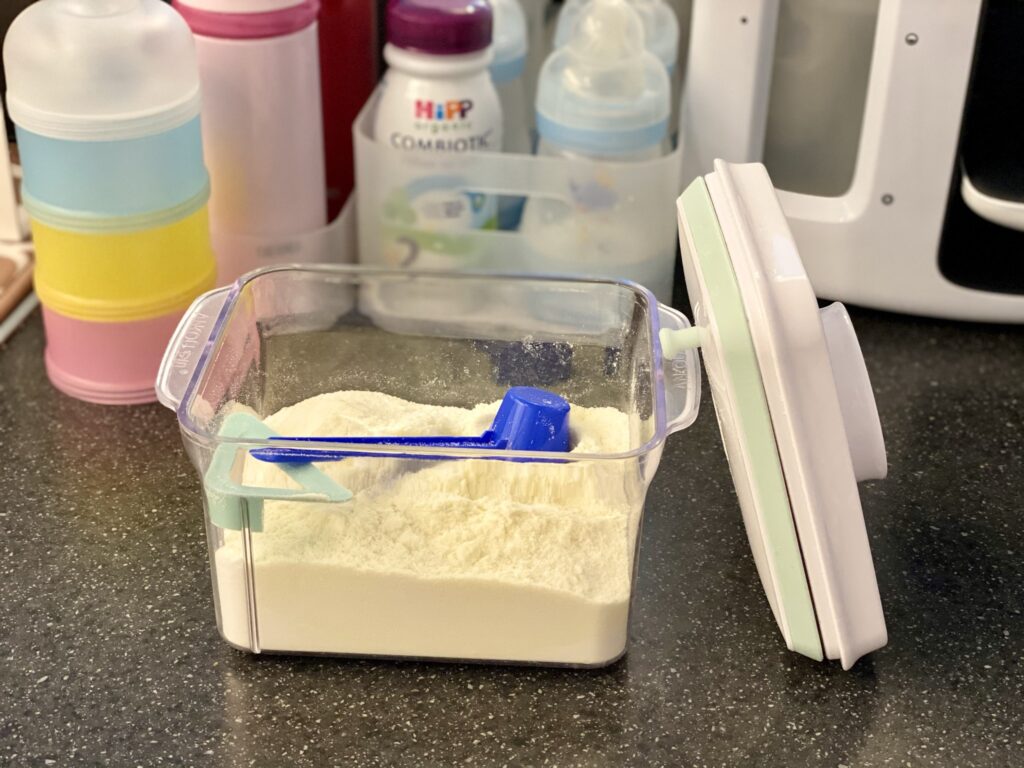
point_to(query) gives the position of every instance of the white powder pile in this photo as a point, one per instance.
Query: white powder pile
(461, 559)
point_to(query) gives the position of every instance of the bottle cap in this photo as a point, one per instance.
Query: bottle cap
(440, 27)
(100, 70)
(603, 92)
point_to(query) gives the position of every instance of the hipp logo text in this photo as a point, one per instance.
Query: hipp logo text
(455, 109)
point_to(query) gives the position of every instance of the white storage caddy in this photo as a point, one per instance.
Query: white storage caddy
(238, 254)
(622, 222)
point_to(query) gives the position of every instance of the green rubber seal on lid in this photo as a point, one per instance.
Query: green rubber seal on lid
(752, 425)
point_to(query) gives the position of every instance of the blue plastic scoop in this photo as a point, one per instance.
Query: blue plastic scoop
(529, 419)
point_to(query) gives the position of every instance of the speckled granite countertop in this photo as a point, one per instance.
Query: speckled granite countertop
(109, 652)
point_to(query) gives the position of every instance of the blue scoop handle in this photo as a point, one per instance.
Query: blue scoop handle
(529, 419)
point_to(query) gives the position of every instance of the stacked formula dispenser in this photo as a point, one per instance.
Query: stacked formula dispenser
(105, 98)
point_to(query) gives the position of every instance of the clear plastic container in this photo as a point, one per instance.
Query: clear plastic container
(560, 595)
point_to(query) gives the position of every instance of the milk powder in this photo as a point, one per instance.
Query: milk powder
(459, 559)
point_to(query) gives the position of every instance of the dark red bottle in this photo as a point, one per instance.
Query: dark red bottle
(348, 73)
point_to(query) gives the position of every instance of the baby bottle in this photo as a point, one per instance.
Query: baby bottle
(262, 126)
(104, 95)
(602, 98)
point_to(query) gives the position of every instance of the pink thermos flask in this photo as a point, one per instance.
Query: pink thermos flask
(262, 125)
(348, 73)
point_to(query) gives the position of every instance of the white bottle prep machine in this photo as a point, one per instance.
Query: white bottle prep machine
(857, 107)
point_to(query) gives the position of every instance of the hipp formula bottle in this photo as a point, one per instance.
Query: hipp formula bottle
(438, 101)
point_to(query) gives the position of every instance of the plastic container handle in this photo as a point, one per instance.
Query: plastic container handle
(186, 347)
(679, 341)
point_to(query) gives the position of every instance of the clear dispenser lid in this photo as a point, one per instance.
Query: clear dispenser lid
(100, 70)
(795, 409)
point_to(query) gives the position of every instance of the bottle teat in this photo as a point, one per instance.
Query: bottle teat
(603, 92)
(661, 27)
(609, 31)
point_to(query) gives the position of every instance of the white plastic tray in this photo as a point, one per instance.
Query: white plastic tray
(622, 223)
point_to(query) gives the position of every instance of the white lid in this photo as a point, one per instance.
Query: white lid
(100, 69)
(241, 6)
(603, 91)
(795, 409)
(661, 27)
(509, 40)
